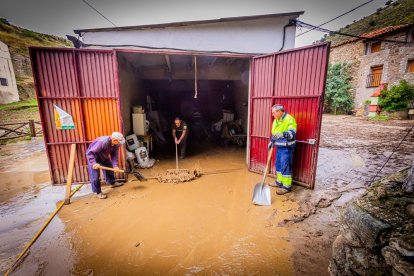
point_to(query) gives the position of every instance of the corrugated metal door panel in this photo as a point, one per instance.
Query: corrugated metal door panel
(59, 154)
(55, 74)
(100, 97)
(83, 83)
(304, 111)
(298, 83)
(100, 117)
(96, 72)
(262, 85)
(71, 106)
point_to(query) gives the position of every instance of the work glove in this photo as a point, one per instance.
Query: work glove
(95, 166)
(270, 145)
(276, 136)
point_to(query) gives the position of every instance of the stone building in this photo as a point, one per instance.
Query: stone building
(385, 55)
(8, 87)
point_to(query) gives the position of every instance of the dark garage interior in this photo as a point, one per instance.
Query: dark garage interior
(210, 93)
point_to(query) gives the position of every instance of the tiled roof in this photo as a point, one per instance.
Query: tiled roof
(384, 31)
(377, 33)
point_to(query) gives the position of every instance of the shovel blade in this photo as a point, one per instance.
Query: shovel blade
(261, 195)
(139, 176)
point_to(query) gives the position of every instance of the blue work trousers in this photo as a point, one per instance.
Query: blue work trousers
(95, 179)
(284, 165)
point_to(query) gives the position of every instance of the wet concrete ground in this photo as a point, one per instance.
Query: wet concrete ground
(206, 226)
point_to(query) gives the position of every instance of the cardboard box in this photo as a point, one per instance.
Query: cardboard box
(138, 123)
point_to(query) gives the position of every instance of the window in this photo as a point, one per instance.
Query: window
(3, 82)
(374, 79)
(372, 47)
(410, 66)
(375, 47)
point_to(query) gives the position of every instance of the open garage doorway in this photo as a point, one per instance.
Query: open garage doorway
(101, 88)
(209, 93)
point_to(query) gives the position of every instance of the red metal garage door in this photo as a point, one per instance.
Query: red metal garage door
(84, 84)
(295, 79)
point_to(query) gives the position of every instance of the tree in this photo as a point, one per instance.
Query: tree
(398, 97)
(338, 97)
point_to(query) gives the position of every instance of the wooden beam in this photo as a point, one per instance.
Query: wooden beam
(70, 173)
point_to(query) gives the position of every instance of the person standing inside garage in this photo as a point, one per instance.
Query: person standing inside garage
(284, 138)
(180, 134)
(104, 151)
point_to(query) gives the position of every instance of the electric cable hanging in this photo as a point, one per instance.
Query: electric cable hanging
(92, 7)
(363, 4)
(306, 25)
(408, 132)
(195, 77)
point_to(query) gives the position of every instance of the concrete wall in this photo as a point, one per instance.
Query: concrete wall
(132, 91)
(8, 93)
(393, 56)
(250, 36)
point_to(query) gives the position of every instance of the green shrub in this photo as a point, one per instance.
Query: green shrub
(398, 97)
(338, 83)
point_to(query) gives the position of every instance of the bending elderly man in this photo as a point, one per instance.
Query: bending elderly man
(104, 151)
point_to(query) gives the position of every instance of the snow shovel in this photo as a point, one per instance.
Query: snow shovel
(261, 192)
(137, 175)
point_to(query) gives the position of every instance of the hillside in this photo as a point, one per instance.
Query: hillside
(19, 39)
(394, 13)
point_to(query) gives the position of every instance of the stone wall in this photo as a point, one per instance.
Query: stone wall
(21, 64)
(377, 232)
(349, 53)
(393, 56)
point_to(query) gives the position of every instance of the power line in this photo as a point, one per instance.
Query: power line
(84, 1)
(337, 17)
(389, 157)
(306, 25)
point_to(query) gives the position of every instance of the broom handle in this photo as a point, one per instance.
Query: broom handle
(176, 157)
(267, 165)
(110, 169)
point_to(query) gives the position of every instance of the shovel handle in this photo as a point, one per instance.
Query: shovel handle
(269, 157)
(110, 169)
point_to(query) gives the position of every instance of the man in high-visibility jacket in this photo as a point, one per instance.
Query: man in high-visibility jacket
(284, 138)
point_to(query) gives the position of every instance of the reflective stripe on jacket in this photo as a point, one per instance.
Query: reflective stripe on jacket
(287, 126)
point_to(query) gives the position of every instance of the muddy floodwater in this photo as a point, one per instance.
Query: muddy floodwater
(204, 226)
(207, 225)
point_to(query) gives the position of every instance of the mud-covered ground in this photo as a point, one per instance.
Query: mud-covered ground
(206, 226)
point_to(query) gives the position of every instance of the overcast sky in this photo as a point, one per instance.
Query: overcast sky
(61, 17)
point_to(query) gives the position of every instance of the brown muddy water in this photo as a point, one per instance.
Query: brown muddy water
(26, 200)
(205, 226)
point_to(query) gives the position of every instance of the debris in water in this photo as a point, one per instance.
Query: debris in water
(178, 176)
